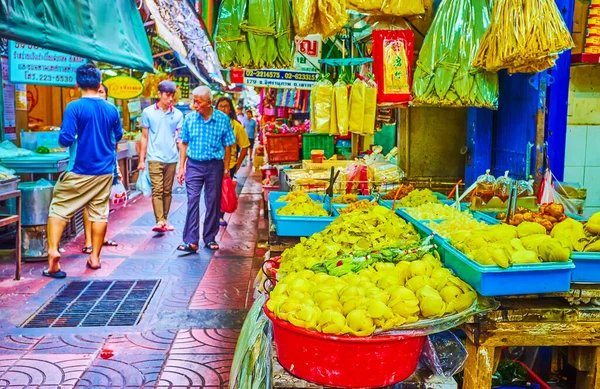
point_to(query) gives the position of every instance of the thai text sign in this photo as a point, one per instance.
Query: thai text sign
(308, 53)
(124, 87)
(284, 79)
(33, 65)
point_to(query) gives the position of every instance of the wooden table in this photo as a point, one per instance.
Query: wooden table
(10, 219)
(544, 320)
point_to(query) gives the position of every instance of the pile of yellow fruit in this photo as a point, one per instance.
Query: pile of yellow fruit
(435, 211)
(345, 199)
(416, 198)
(291, 196)
(357, 205)
(505, 245)
(369, 228)
(577, 236)
(383, 296)
(302, 206)
(456, 224)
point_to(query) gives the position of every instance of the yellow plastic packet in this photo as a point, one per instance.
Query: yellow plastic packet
(304, 16)
(340, 96)
(403, 7)
(357, 107)
(370, 112)
(321, 96)
(333, 130)
(332, 15)
(365, 5)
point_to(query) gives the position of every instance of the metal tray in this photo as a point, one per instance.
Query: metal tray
(9, 184)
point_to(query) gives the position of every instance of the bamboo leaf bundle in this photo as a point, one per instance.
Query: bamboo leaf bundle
(525, 36)
(284, 32)
(228, 33)
(444, 75)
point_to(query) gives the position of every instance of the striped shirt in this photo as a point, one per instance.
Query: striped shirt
(207, 139)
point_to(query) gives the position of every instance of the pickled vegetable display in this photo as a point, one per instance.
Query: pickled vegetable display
(302, 206)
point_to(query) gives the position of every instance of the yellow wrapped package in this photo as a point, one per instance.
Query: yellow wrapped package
(340, 96)
(332, 15)
(333, 130)
(321, 96)
(365, 5)
(403, 7)
(304, 16)
(356, 115)
(370, 110)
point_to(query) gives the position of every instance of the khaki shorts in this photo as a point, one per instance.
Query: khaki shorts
(74, 191)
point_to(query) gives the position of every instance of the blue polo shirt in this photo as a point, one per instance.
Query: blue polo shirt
(207, 139)
(94, 123)
(162, 133)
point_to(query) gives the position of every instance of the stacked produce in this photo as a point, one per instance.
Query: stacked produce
(399, 193)
(577, 236)
(444, 75)
(302, 206)
(435, 211)
(525, 36)
(345, 199)
(506, 245)
(383, 296)
(291, 196)
(255, 34)
(370, 228)
(358, 205)
(416, 198)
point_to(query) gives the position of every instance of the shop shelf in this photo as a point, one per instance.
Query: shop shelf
(312, 141)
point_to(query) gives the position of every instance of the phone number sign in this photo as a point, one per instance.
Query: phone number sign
(283, 79)
(33, 65)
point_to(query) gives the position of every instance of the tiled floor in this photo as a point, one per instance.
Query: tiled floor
(187, 336)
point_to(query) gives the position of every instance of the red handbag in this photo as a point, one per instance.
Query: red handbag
(229, 201)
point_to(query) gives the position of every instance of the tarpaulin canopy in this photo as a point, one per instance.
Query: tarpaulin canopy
(104, 30)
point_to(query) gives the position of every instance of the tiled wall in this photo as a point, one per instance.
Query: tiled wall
(582, 162)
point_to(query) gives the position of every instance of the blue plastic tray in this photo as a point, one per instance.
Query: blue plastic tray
(544, 277)
(299, 225)
(587, 267)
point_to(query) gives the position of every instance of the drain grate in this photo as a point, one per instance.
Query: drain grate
(95, 304)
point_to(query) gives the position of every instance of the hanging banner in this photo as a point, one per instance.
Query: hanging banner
(21, 97)
(124, 87)
(283, 79)
(8, 95)
(308, 53)
(33, 65)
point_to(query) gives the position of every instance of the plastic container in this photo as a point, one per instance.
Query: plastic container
(316, 156)
(345, 361)
(311, 141)
(298, 225)
(536, 278)
(28, 140)
(587, 267)
(283, 148)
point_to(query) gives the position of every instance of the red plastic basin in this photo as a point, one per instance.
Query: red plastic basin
(345, 361)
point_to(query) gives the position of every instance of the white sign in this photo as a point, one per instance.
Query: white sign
(8, 94)
(308, 53)
(283, 79)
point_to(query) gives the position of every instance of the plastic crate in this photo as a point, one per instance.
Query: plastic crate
(311, 141)
(587, 267)
(536, 278)
(298, 225)
(283, 148)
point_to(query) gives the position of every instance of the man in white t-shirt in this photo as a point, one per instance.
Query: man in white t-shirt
(161, 123)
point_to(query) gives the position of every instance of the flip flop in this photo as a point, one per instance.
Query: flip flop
(86, 250)
(187, 248)
(89, 266)
(54, 274)
(159, 228)
(109, 242)
(223, 223)
(214, 246)
(169, 227)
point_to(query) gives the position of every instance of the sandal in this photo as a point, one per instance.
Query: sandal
(109, 242)
(223, 223)
(188, 248)
(169, 227)
(159, 228)
(212, 245)
(89, 265)
(86, 250)
(54, 274)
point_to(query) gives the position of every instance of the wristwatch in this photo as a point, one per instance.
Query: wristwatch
(226, 170)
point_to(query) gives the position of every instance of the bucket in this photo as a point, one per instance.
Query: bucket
(35, 202)
(345, 361)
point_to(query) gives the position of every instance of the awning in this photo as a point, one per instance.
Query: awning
(110, 31)
(178, 24)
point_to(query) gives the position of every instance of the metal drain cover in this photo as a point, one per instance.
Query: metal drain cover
(95, 304)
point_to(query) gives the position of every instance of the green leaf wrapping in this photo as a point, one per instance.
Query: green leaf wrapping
(285, 32)
(261, 33)
(227, 33)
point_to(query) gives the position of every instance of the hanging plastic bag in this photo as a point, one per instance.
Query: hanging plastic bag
(502, 187)
(357, 107)
(546, 195)
(321, 96)
(304, 12)
(444, 354)
(143, 183)
(332, 15)
(403, 7)
(229, 201)
(333, 128)
(370, 115)
(340, 96)
(118, 196)
(485, 186)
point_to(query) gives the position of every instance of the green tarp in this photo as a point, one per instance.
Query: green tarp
(109, 31)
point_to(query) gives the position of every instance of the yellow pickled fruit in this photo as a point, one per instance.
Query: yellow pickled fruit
(388, 281)
(306, 274)
(279, 290)
(395, 321)
(274, 303)
(322, 278)
(419, 268)
(593, 247)
(285, 308)
(416, 283)
(530, 228)
(381, 266)
(371, 274)
(357, 302)
(404, 308)
(428, 257)
(450, 293)
(332, 304)
(525, 256)
(377, 309)
(476, 243)
(296, 295)
(351, 279)
(516, 244)
(375, 293)
(427, 291)
(360, 323)
(350, 292)
(301, 285)
(501, 231)
(483, 256)
(432, 306)
(432, 261)
(305, 317)
(593, 225)
(403, 265)
(412, 319)
(401, 292)
(465, 301)
(332, 322)
(451, 307)
(500, 258)
(441, 273)
(322, 295)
